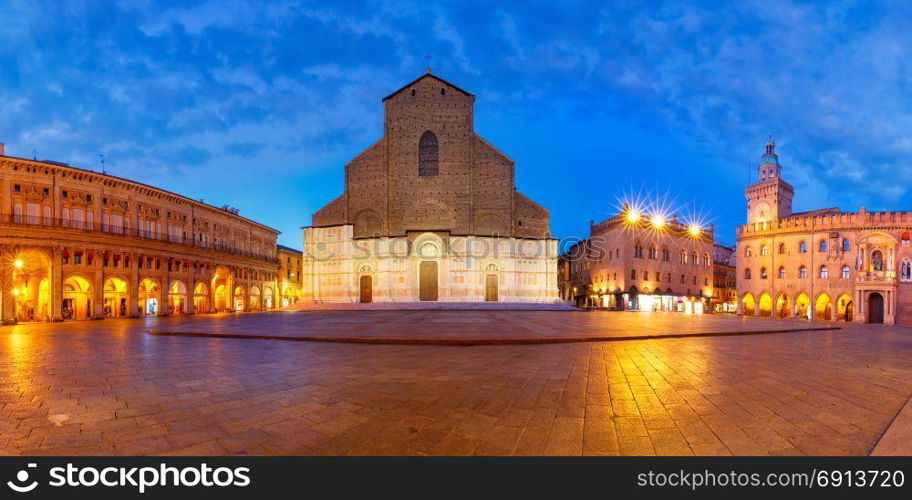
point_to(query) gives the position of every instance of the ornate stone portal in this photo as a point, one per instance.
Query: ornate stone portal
(430, 212)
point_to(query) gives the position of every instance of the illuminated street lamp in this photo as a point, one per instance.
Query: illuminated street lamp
(657, 221)
(18, 263)
(15, 291)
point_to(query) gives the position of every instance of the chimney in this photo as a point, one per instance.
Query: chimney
(1, 149)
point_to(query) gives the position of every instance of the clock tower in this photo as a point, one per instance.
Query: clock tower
(769, 198)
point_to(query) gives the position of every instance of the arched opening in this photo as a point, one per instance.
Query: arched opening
(149, 297)
(875, 307)
(240, 301)
(77, 298)
(288, 297)
(268, 298)
(220, 283)
(30, 287)
(367, 224)
(844, 308)
(823, 308)
(428, 272)
(766, 305)
(782, 306)
(365, 284)
(255, 298)
(200, 298)
(802, 306)
(177, 298)
(116, 298)
(748, 306)
(427, 155)
(877, 262)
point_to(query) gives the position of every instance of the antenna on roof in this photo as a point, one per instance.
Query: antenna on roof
(427, 68)
(35, 154)
(102, 156)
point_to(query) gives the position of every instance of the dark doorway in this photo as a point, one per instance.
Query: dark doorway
(875, 308)
(848, 312)
(367, 292)
(491, 288)
(427, 281)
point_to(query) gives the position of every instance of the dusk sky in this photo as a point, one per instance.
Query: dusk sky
(259, 105)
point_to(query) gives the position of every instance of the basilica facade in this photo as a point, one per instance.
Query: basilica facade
(824, 264)
(429, 212)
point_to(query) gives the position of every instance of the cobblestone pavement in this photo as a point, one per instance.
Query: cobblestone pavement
(106, 387)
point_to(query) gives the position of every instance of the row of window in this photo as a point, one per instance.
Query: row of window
(802, 247)
(666, 256)
(658, 277)
(802, 272)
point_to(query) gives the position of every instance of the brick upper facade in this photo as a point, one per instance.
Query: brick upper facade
(472, 193)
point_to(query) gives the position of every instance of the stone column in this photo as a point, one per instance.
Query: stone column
(191, 274)
(7, 299)
(164, 303)
(133, 290)
(56, 284)
(98, 289)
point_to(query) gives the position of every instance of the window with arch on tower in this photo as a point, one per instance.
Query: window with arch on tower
(764, 250)
(781, 273)
(747, 274)
(747, 251)
(803, 247)
(427, 155)
(905, 270)
(802, 272)
(824, 272)
(846, 246)
(763, 274)
(845, 272)
(782, 249)
(823, 245)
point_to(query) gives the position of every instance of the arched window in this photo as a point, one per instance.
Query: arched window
(764, 250)
(782, 273)
(694, 258)
(824, 272)
(638, 250)
(747, 274)
(846, 246)
(802, 272)
(845, 272)
(763, 274)
(633, 274)
(823, 245)
(803, 247)
(683, 257)
(427, 155)
(782, 249)
(705, 260)
(666, 255)
(653, 252)
(905, 270)
(748, 252)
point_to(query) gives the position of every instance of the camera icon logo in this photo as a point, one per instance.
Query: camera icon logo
(22, 477)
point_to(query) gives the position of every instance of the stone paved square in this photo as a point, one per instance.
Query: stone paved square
(108, 387)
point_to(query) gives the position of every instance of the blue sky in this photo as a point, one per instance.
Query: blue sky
(260, 104)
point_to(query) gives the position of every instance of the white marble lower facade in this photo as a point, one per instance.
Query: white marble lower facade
(426, 266)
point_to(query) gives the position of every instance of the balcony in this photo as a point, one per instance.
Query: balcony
(78, 226)
(876, 277)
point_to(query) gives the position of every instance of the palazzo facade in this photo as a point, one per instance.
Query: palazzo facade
(644, 262)
(823, 264)
(77, 244)
(430, 212)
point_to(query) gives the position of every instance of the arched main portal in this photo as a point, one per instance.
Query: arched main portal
(177, 298)
(200, 298)
(748, 306)
(268, 298)
(875, 308)
(823, 308)
(428, 272)
(766, 305)
(77, 298)
(149, 297)
(782, 306)
(802, 306)
(30, 287)
(844, 308)
(116, 298)
(491, 285)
